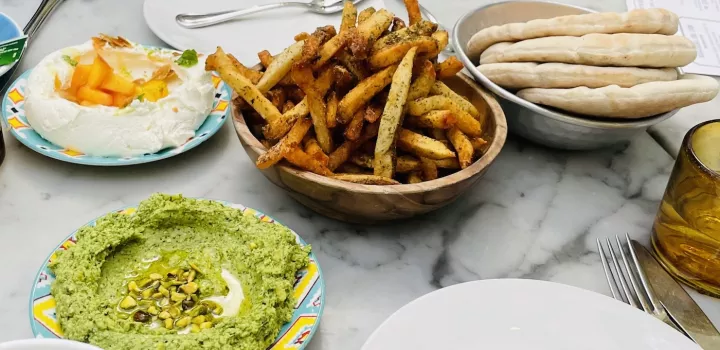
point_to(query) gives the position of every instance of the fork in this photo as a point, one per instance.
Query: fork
(189, 20)
(630, 285)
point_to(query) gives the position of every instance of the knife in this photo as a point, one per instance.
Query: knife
(677, 302)
(44, 10)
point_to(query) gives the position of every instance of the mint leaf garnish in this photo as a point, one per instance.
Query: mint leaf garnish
(188, 58)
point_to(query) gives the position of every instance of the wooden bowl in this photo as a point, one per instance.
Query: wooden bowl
(357, 203)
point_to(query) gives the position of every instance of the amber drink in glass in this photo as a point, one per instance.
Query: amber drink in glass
(686, 232)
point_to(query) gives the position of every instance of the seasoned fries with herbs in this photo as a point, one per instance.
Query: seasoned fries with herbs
(392, 117)
(364, 103)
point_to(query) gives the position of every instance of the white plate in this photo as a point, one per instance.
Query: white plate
(271, 30)
(513, 314)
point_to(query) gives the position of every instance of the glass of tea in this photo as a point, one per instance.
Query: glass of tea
(686, 232)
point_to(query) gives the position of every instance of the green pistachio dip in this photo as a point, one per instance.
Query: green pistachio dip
(179, 273)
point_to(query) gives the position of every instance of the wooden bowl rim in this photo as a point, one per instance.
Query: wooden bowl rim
(498, 141)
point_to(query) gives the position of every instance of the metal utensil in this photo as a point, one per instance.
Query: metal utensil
(677, 302)
(189, 20)
(41, 14)
(550, 127)
(631, 281)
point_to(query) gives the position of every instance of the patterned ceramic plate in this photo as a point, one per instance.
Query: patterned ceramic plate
(13, 113)
(296, 334)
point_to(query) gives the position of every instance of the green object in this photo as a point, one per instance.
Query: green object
(168, 232)
(11, 50)
(188, 58)
(69, 60)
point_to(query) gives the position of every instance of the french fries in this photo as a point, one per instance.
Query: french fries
(413, 9)
(352, 132)
(365, 14)
(465, 122)
(437, 119)
(363, 92)
(275, 129)
(424, 81)
(357, 68)
(280, 66)
(392, 116)
(277, 97)
(331, 112)
(302, 160)
(479, 144)
(462, 145)
(312, 147)
(301, 36)
(285, 145)
(303, 76)
(349, 16)
(414, 177)
(428, 168)
(442, 38)
(363, 104)
(424, 28)
(333, 46)
(363, 160)
(373, 113)
(448, 68)
(423, 146)
(342, 153)
(251, 74)
(265, 58)
(287, 106)
(365, 179)
(349, 168)
(398, 24)
(439, 88)
(394, 53)
(220, 62)
(376, 24)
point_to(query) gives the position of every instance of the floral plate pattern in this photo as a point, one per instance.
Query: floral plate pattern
(309, 291)
(13, 116)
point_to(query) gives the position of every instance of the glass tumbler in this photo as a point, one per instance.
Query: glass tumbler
(686, 232)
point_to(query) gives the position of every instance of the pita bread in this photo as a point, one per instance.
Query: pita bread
(644, 21)
(639, 101)
(624, 50)
(491, 54)
(520, 75)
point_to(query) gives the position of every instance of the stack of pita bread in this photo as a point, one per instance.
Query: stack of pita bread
(600, 64)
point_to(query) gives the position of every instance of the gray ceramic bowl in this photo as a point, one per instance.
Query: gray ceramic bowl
(550, 127)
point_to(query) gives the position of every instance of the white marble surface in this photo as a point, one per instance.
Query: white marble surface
(536, 214)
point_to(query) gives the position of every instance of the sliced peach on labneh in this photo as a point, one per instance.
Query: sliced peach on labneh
(154, 90)
(79, 77)
(120, 100)
(58, 83)
(98, 72)
(116, 83)
(86, 93)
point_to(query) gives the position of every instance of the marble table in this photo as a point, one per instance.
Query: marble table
(536, 214)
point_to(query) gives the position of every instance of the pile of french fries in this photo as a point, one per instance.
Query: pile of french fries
(379, 113)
